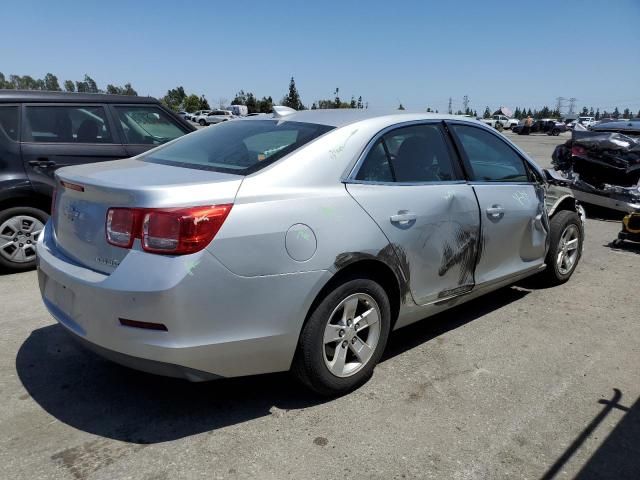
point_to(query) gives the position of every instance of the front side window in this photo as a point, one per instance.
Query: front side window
(239, 147)
(414, 154)
(147, 125)
(9, 122)
(490, 158)
(66, 124)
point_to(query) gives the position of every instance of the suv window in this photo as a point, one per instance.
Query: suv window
(147, 125)
(412, 154)
(9, 122)
(490, 158)
(66, 124)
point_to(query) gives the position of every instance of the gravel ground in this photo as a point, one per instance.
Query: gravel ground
(516, 384)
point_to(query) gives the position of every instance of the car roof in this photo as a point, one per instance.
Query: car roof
(340, 117)
(7, 96)
(620, 126)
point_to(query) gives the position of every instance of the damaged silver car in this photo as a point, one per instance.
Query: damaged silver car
(297, 240)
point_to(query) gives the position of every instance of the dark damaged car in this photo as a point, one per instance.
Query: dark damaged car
(602, 164)
(297, 240)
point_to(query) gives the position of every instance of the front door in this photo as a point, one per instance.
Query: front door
(513, 216)
(55, 136)
(410, 183)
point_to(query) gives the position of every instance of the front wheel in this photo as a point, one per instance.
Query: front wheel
(202, 122)
(19, 231)
(565, 249)
(344, 338)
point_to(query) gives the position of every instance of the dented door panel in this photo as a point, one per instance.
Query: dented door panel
(435, 232)
(514, 229)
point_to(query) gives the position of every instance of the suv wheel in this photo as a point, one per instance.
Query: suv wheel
(19, 231)
(202, 122)
(565, 249)
(344, 338)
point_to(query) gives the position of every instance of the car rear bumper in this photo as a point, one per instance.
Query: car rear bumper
(218, 324)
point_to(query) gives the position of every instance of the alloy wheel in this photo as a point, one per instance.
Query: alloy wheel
(568, 249)
(351, 335)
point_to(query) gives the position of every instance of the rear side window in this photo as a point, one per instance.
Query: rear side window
(66, 124)
(9, 122)
(490, 158)
(239, 147)
(414, 154)
(147, 125)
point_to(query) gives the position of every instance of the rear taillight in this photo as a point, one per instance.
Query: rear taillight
(175, 231)
(578, 151)
(121, 226)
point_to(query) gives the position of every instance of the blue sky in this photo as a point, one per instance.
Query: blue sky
(420, 53)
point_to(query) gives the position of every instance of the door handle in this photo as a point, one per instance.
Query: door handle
(495, 212)
(42, 163)
(403, 217)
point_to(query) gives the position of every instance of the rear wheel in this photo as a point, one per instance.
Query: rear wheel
(19, 231)
(202, 122)
(344, 338)
(565, 249)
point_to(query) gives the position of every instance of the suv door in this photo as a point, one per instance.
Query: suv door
(144, 127)
(59, 135)
(514, 220)
(411, 184)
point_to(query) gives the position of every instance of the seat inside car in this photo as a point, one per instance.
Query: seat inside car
(422, 158)
(88, 132)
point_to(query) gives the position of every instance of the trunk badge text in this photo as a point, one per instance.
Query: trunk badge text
(72, 213)
(107, 261)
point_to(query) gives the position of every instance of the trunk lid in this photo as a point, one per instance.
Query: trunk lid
(79, 218)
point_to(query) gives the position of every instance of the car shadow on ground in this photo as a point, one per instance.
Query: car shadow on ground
(96, 396)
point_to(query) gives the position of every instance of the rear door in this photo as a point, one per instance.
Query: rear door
(513, 216)
(59, 135)
(411, 184)
(144, 127)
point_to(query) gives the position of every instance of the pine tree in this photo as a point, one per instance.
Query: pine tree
(353, 103)
(292, 99)
(360, 105)
(487, 112)
(597, 114)
(400, 107)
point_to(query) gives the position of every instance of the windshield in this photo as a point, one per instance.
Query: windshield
(239, 147)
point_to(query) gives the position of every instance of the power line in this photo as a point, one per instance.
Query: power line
(572, 104)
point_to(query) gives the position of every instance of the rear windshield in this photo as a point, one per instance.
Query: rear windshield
(237, 146)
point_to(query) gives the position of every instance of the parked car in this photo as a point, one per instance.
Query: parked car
(42, 131)
(183, 114)
(297, 240)
(504, 122)
(584, 121)
(194, 116)
(215, 116)
(239, 110)
(549, 126)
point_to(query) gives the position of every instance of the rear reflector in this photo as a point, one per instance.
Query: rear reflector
(146, 325)
(173, 231)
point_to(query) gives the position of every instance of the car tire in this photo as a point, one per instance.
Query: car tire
(563, 255)
(25, 224)
(202, 122)
(555, 132)
(326, 360)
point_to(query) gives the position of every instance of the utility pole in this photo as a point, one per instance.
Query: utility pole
(465, 102)
(450, 111)
(572, 104)
(560, 103)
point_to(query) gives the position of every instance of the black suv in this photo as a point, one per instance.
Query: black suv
(43, 131)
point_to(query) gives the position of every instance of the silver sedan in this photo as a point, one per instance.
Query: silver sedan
(296, 241)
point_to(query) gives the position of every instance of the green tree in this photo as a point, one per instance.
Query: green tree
(400, 107)
(191, 103)
(626, 113)
(240, 98)
(597, 115)
(174, 99)
(585, 112)
(616, 113)
(265, 105)
(51, 83)
(4, 83)
(429, 109)
(337, 102)
(591, 112)
(352, 103)
(204, 104)
(292, 100)
(360, 104)
(487, 113)
(69, 86)
(314, 106)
